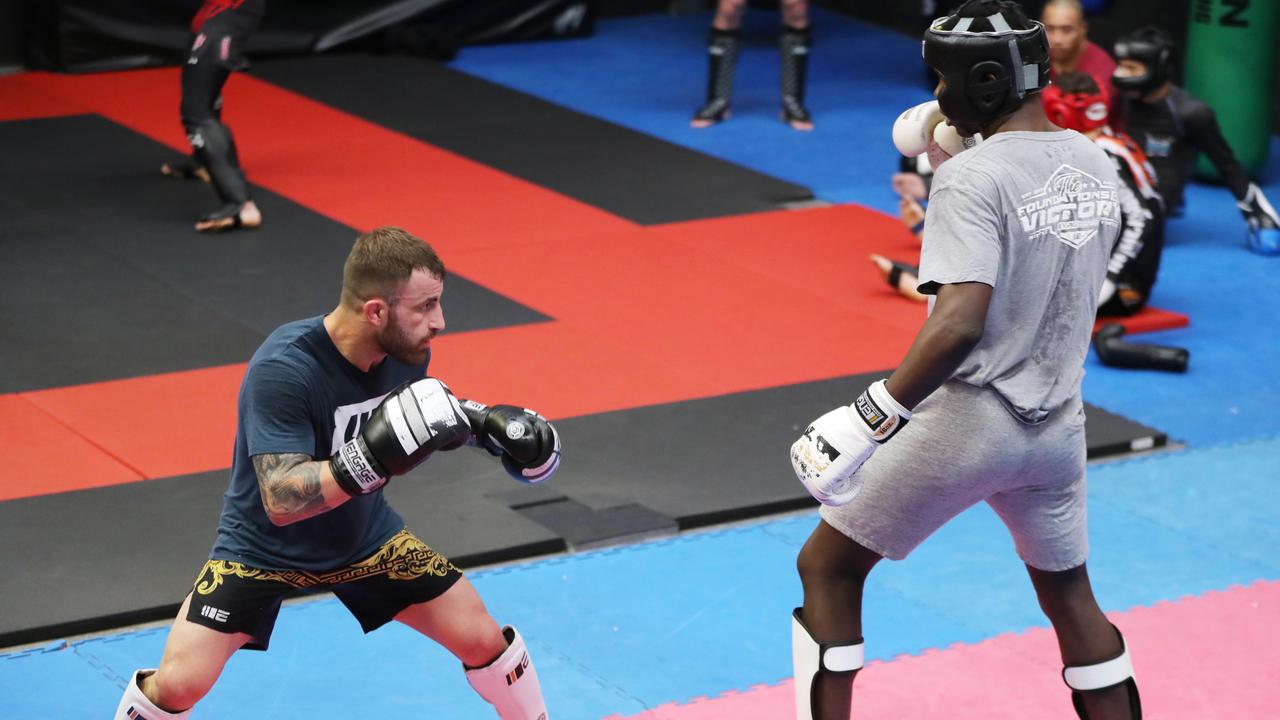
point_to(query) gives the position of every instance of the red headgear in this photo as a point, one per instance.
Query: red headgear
(1077, 111)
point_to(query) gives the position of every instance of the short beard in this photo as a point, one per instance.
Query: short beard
(395, 343)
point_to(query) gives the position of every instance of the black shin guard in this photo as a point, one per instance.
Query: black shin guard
(795, 46)
(216, 150)
(722, 53)
(1117, 353)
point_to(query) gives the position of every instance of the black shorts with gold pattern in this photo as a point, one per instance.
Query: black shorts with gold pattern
(234, 598)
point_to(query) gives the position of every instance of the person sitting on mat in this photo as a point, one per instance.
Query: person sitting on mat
(1075, 102)
(1172, 127)
(330, 409)
(722, 51)
(221, 29)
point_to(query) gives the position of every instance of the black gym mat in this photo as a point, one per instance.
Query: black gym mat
(622, 171)
(106, 279)
(626, 475)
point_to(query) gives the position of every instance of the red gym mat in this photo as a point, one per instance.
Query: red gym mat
(1149, 319)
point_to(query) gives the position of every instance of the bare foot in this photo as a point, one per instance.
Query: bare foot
(802, 125)
(187, 169)
(911, 213)
(230, 218)
(901, 276)
(709, 115)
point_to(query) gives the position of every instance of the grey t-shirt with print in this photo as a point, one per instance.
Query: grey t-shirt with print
(1034, 215)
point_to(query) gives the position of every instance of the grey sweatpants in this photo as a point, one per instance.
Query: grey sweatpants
(963, 446)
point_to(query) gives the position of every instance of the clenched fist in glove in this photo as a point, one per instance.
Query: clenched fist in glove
(1263, 223)
(528, 445)
(827, 456)
(410, 423)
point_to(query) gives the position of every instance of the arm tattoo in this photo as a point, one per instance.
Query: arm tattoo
(290, 485)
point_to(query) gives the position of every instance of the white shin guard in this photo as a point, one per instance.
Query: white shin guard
(1103, 676)
(810, 657)
(135, 706)
(510, 683)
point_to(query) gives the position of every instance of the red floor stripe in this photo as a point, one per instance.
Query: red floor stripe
(1212, 657)
(43, 456)
(24, 97)
(642, 315)
(339, 165)
(1148, 320)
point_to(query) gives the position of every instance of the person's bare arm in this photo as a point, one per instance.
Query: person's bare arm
(295, 487)
(948, 336)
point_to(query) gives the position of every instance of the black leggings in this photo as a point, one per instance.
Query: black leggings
(214, 55)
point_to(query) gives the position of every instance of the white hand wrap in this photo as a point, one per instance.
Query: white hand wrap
(828, 455)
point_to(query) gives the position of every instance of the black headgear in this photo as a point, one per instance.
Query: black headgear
(1152, 47)
(987, 74)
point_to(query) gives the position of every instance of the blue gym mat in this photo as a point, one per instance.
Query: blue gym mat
(649, 73)
(625, 629)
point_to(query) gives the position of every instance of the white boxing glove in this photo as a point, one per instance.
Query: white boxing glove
(917, 130)
(828, 455)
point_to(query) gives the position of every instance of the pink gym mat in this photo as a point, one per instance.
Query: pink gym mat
(1189, 663)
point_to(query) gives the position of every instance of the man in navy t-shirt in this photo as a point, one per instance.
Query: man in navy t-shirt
(330, 409)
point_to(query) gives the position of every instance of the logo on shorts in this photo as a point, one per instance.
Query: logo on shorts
(214, 613)
(1071, 207)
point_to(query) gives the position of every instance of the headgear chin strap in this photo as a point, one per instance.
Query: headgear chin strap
(1081, 112)
(1152, 47)
(986, 74)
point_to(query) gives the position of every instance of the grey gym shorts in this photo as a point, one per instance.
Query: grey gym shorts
(963, 446)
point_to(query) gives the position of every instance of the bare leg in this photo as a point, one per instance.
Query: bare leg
(729, 14)
(193, 659)
(498, 665)
(459, 621)
(906, 280)
(1085, 635)
(833, 570)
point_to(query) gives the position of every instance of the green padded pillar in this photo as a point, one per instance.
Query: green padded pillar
(1231, 64)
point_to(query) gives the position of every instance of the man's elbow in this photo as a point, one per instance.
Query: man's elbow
(278, 518)
(966, 335)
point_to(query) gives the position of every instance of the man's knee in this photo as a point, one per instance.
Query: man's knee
(179, 684)
(829, 557)
(480, 643)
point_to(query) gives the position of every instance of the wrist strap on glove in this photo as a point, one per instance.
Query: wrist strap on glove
(882, 416)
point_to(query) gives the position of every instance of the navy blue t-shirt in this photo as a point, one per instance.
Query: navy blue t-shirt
(300, 395)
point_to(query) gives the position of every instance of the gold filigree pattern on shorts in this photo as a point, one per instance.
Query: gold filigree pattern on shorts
(403, 557)
(215, 570)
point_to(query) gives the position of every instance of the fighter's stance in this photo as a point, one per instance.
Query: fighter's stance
(1172, 127)
(986, 404)
(722, 50)
(330, 409)
(220, 31)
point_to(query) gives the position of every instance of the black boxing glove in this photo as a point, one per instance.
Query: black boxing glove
(410, 423)
(527, 443)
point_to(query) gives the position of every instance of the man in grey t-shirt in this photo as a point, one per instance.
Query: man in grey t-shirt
(1016, 245)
